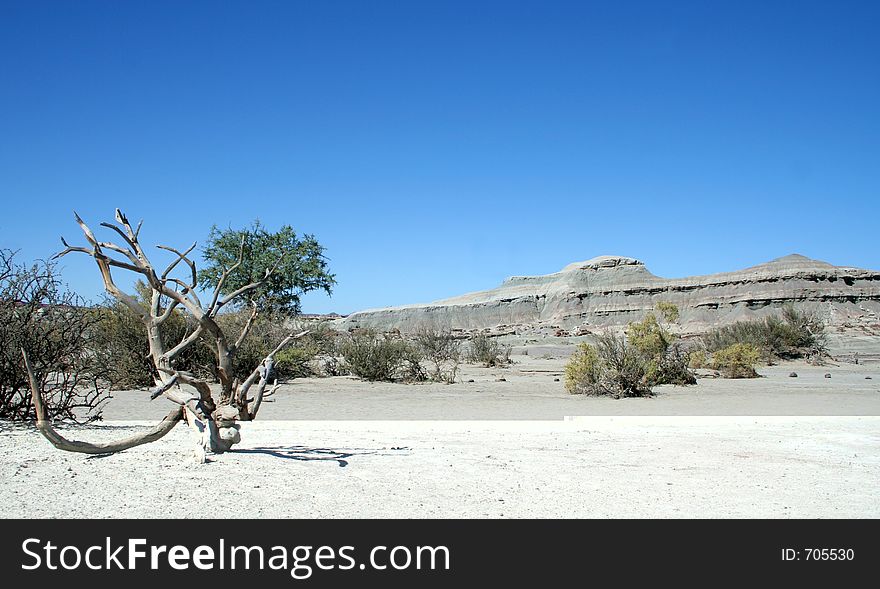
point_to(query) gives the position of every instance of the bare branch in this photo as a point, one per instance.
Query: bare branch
(184, 344)
(262, 372)
(124, 251)
(85, 229)
(273, 390)
(166, 386)
(219, 288)
(160, 319)
(181, 257)
(247, 328)
(62, 443)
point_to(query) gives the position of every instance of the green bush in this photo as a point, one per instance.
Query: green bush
(794, 334)
(697, 359)
(295, 362)
(668, 311)
(488, 351)
(584, 371)
(610, 368)
(737, 361)
(376, 357)
(665, 359)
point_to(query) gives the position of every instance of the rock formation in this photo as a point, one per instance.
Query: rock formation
(614, 290)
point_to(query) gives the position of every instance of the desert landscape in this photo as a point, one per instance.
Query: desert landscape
(211, 345)
(335, 448)
(509, 440)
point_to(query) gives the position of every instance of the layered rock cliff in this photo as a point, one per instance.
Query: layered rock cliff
(614, 290)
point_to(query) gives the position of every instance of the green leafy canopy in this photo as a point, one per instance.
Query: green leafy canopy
(303, 268)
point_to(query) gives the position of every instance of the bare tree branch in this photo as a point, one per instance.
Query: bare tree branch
(184, 344)
(261, 372)
(62, 443)
(212, 308)
(247, 327)
(215, 423)
(181, 257)
(166, 386)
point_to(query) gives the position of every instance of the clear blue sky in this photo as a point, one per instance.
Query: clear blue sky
(437, 147)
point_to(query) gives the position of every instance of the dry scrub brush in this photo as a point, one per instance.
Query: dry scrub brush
(55, 328)
(488, 351)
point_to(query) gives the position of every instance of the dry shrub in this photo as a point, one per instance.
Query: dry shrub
(38, 315)
(488, 351)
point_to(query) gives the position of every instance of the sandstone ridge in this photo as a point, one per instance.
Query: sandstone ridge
(608, 291)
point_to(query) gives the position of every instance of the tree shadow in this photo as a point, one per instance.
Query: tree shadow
(306, 454)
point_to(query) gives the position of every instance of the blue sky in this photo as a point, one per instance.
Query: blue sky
(435, 148)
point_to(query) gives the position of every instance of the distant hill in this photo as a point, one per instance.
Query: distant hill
(609, 291)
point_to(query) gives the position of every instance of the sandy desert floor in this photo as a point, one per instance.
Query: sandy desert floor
(772, 447)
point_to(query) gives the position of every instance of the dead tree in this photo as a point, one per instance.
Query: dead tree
(215, 421)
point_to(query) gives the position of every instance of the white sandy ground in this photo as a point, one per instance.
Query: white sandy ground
(812, 449)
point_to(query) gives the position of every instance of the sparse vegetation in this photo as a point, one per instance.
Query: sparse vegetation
(378, 357)
(312, 355)
(442, 349)
(488, 351)
(612, 367)
(666, 360)
(737, 361)
(53, 326)
(793, 334)
(628, 366)
(697, 359)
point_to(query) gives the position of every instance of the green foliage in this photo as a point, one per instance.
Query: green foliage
(737, 360)
(649, 337)
(488, 351)
(376, 357)
(697, 359)
(295, 362)
(665, 360)
(795, 334)
(584, 371)
(303, 268)
(628, 366)
(668, 311)
(312, 355)
(610, 368)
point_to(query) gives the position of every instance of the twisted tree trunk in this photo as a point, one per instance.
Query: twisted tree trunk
(62, 443)
(214, 423)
